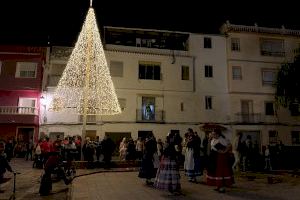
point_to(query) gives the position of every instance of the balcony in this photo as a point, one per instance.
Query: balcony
(90, 119)
(144, 38)
(19, 115)
(252, 118)
(155, 117)
(15, 110)
(272, 53)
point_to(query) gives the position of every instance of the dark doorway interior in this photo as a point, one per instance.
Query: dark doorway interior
(24, 134)
(143, 134)
(117, 138)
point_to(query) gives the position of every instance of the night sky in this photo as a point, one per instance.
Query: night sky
(32, 22)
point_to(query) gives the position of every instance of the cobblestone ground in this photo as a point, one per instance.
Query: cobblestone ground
(28, 182)
(126, 185)
(123, 183)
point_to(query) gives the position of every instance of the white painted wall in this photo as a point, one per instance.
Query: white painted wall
(217, 86)
(251, 87)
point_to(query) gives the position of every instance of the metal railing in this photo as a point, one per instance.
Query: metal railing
(272, 53)
(248, 118)
(244, 28)
(89, 118)
(16, 110)
(155, 116)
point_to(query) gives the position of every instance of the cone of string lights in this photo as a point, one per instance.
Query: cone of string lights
(86, 86)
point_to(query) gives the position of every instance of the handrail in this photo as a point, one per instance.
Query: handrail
(18, 110)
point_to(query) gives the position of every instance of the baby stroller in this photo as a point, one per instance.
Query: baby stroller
(37, 162)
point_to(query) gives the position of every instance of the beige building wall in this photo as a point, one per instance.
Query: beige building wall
(215, 86)
(178, 99)
(251, 87)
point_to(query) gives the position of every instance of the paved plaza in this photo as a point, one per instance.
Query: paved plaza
(126, 185)
(123, 183)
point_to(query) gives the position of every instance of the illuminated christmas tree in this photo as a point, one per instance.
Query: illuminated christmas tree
(85, 85)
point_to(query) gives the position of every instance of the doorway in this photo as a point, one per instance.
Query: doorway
(143, 134)
(24, 134)
(247, 110)
(91, 134)
(117, 138)
(255, 138)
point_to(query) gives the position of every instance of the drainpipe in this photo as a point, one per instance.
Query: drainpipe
(194, 76)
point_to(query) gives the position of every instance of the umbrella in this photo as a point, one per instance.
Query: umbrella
(211, 127)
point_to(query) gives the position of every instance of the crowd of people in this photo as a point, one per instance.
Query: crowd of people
(212, 159)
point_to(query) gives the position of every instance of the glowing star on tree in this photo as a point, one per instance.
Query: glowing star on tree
(86, 84)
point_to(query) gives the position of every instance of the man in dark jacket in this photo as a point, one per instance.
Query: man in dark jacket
(108, 147)
(54, 164)
(4, 165)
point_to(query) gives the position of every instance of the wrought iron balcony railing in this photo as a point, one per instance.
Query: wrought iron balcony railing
(89, 118)
(16, 110)
(155, 116)
(272, 53)
(248, 118)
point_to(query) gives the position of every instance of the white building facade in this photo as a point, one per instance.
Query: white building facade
(171, 81)
(254, 56)
(165, 82)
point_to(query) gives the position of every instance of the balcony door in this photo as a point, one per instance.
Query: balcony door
(246, 110)
(27, 106)
(148, 108)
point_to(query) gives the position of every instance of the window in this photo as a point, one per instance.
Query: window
(122, 103)
(208, 71)
(148, 108)
(26, 70)
(185, 73)
(269, 108)
(272, 47)
(273, 137)
(294, 109)
(208, 102)
(295, 137)
(149, 70)
(235, 44)
(116, 69)
(27, 106)
(181, 107)
(269, 76)
(207, 43)
(236, 73)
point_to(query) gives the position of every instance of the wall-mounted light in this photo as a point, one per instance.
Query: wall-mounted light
(43, 100)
